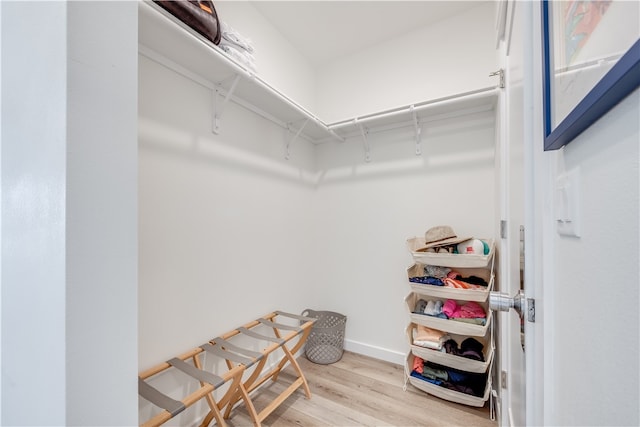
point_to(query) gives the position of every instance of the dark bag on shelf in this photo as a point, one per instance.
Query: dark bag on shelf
(199, 15)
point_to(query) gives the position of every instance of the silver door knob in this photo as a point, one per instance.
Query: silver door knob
(503, 302)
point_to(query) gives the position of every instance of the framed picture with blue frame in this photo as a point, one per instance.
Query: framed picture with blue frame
(591, 61)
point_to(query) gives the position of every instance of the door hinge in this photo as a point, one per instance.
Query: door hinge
(531, 310)
(503, 229)
(500, 73)
(503, 379)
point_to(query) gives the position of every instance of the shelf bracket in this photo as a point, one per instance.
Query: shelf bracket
(292, 140)
(418, 130)
(500, 73)
(364, 132)
(218, 110)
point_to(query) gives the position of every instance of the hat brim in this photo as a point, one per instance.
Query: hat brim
(445, 242)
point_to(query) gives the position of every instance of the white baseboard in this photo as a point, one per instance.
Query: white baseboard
(376, 352)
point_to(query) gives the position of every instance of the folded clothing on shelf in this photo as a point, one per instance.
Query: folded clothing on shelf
(453, 379)
(430, 308)
(429, 338)
(470, 312)
(470, 348)
(445, 276)
(244, 58)
(237, 46)
(231, 36)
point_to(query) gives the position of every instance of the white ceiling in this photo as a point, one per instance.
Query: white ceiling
(325, 30)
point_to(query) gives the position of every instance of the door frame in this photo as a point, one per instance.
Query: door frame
(539, 221)
(511, 373)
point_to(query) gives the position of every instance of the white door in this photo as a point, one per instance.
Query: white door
(511, 130)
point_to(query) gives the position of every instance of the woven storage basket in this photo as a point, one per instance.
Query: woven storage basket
(325, 343)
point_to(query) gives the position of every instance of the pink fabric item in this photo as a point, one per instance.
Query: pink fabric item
(460, 284)
(449, 308)
(471, 310)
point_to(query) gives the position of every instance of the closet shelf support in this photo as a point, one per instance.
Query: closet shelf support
(218, 110)
(335, 135)
(292, 140)
(418, 130)
(500, 74)
(364, 133)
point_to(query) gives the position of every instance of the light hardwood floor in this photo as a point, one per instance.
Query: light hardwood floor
(358, 391)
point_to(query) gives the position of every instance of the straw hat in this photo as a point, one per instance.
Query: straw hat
(442, 235)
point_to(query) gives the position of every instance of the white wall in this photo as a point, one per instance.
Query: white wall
(223, 222)
(453, 56)
(277, 61)
(33, 213)
(69, 213)
(597, 341)
(366, 211)
(101, 213)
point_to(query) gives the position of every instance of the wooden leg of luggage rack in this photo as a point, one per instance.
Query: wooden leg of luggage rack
(289, 356)
(235, 376)
(242, 393)
(258, 377)
(208, 383)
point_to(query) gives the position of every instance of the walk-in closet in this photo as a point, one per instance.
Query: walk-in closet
(296, 185)
(388, 183)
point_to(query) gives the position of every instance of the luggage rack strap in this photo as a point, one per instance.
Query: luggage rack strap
(199, 374)
(161, 400)
(227, 355)
(279, 325)
(256, 335)
(296, 316)
(240, 350)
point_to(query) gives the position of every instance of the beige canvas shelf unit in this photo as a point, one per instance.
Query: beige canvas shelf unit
(478, 295)
(447, 394)
(467, 265)
(453, 361)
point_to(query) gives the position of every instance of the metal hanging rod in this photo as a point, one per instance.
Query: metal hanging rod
(409, 123)
(408, 109)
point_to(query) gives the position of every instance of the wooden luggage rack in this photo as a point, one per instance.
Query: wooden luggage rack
(239, 361)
